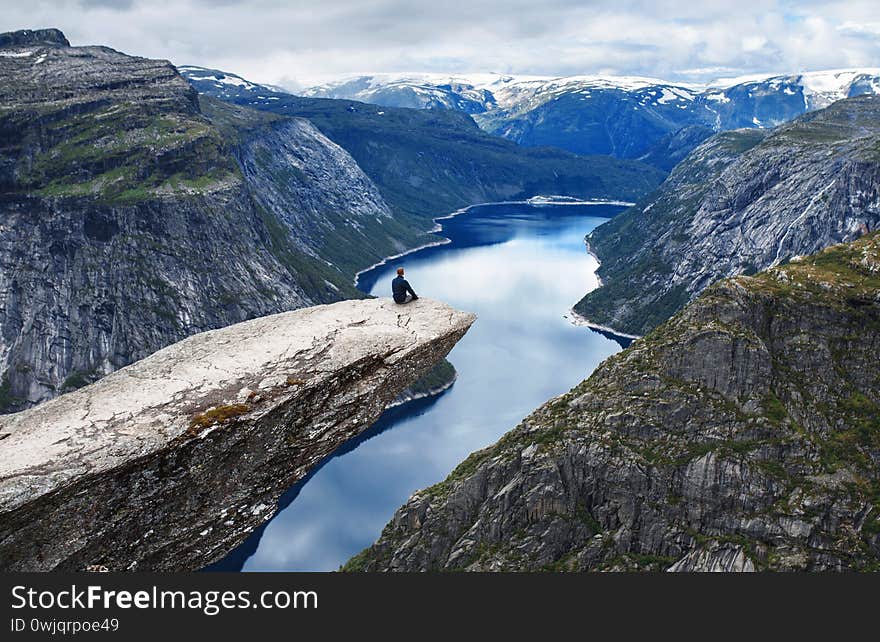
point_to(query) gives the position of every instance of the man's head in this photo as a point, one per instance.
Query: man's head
(399, 271)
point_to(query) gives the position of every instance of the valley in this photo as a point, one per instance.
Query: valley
(200, 367)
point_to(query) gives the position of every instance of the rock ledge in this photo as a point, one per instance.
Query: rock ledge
(170, 462)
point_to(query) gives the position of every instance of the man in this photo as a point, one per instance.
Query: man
(400, 287)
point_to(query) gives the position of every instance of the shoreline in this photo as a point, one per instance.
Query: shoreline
(581, 321)
(438, 227)
(573, 317)
(598, 263)
(433, 392)
(576, 319)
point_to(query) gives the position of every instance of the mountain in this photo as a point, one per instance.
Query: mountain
(225, 85)
(672, 148)
(133, 215)
(428, 163)
(741, 435)
(136, 212)
(417, 91)
(623, 116)
(771, 101)
(742, 201)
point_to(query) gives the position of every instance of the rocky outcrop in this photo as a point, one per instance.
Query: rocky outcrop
(741, 202)
(33, 37)
(170, 462)
(743, 434)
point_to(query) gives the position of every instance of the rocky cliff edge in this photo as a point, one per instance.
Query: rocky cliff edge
(170, 462)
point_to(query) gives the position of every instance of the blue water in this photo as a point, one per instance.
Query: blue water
(520, 268)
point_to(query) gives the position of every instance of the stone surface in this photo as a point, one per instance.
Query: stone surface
(743, 434)
(173, 460)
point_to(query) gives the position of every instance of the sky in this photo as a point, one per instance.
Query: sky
(295, 44)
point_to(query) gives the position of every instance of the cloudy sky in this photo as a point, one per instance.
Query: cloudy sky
(297, 43)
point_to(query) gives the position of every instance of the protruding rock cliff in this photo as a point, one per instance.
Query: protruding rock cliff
(743, 434)
(741, 202)
(170, 462)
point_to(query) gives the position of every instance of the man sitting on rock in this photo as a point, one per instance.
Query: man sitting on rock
(400, 287)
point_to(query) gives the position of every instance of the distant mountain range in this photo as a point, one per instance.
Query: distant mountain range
(224, 85)
(621, 116)
(431, 162)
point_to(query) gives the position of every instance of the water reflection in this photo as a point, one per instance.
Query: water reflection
(520, 268)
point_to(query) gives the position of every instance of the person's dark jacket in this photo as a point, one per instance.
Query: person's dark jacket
(399, 288)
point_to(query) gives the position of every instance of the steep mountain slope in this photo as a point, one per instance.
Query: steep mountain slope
(131, 220)
(431, 162)
(623, 116)
(743, 434)
(742, 201)
(310, 190)
(674, 147)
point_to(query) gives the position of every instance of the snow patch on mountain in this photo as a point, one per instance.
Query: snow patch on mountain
(228, 85)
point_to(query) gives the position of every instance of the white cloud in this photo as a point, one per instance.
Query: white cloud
(299, 43)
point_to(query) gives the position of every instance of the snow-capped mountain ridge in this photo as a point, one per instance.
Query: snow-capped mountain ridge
(227, 84)
(516, 92)
(623, 116)
(820, 88)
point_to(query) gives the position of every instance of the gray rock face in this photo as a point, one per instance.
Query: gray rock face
(131, 218)
(30, 37)
(87, 289)
(170, 462)
(743, 434)
(741, 202)
(331, 182)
